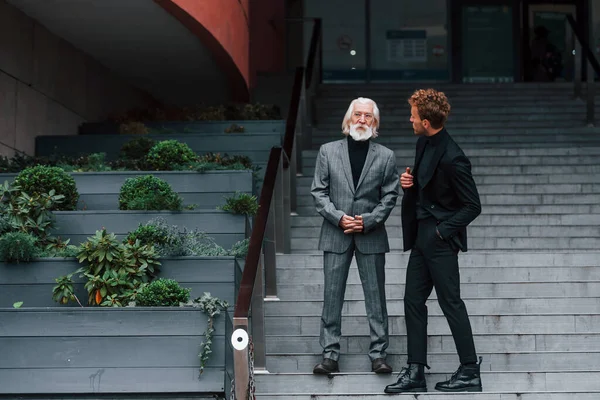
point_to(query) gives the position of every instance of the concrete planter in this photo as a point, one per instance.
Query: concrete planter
(256, 146)
(86, 351)
(100, 190)
(225, 228)
(185, 127)
(32, 282)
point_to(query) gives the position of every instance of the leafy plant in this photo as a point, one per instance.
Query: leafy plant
(44, 179)
(240, 249)
(148, 193)
(240, 203)
(18, 247)
(95, 162)
(32, 214)
(115, 270)
(235, 128)
(137, 149)
(64, 292)
(212, 307)
(56, 247)
(162, 293)
(168, 154)
(133, 128)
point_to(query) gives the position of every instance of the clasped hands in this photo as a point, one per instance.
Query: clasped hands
(352, 224)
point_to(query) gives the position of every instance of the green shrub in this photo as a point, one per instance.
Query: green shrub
(162, 293)
(148, 193)
(169, 155)
(18, 246)
(115, 271)
(42, 179)
(241, 203)
(155, 233)
(137, 149)
(133, 128)
(32, 214)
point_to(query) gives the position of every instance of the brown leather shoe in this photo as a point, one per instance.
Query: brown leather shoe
(379, 366)
(326, 367)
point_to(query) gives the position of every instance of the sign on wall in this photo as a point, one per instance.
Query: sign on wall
(407, 46)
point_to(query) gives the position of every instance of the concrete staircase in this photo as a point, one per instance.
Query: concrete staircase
(531, 280)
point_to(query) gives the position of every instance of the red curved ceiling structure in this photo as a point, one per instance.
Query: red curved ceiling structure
(223, 27)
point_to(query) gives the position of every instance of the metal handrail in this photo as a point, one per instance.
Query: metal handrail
(271, 231)
(582, 47)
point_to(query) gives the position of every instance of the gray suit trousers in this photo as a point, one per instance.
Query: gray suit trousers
(371, 268)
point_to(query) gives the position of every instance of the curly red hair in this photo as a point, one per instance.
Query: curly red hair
(431, 105)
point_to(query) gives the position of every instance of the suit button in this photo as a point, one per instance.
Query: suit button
(432, 206)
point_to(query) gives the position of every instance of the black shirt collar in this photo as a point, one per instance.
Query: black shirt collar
(355, 144)
(435, 139)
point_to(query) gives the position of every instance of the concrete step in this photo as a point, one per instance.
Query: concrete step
(475, 259)
(488, 243)
(486, 152)
(370, 383)
(401, 122)
(479, 170)
(400, 114)
(304, 182)
(446, 363)
(499, 161)
(396, 272)
(526, 324)
(394, 107)
(504, 290)
(487, 343)
(479, 306)
(563, 199)
(562, 231)
(500, 209)
(545, 188)
(486, 221)
(542, 395)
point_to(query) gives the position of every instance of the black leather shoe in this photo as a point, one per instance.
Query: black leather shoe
(326, 367)
(467, 378)
(379, 366)
(410, 379)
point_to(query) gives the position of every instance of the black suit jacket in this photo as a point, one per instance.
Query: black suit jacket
(451, 193)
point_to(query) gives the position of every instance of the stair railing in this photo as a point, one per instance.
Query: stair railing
(583, 52)
(271, 230)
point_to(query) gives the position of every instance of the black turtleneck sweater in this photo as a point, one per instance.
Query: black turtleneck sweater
(358, 154)
(430, 145)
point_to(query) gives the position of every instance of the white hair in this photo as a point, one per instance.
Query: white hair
(348, 117)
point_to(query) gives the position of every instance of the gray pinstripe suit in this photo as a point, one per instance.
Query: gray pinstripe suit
(374, 198)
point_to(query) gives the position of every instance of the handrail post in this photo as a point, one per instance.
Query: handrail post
(258, 320)
(241, 367)
(591, 94)
(578, 67)
(279, 209)
(269, 248)
(286, 205)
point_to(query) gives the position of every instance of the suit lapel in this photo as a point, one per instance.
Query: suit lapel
(440, 148)
(345, 156)
(368, 161)
(418, 156)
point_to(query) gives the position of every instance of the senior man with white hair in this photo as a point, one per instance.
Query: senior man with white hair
(355, 188)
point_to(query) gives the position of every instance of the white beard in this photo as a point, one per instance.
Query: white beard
(360, 135)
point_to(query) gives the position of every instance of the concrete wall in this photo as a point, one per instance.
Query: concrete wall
(48, 87)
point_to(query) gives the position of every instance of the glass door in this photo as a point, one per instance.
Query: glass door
(488, 45)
